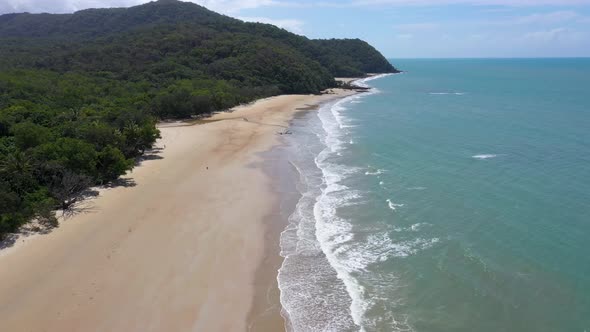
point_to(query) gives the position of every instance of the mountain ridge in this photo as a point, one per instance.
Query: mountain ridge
(92, 24)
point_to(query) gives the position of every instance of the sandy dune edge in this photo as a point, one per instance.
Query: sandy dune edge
(177, 250)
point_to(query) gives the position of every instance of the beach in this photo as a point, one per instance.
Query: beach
(183, 244)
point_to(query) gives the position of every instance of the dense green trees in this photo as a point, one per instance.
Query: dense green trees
(80, 93)
(59, 134)
(351, 57)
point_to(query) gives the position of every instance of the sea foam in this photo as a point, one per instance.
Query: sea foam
(393, 206)
(348, 254)
(484, 156)
(417, 188)
(446, 93)
(376, 172)
(325, 256)
(333, 232)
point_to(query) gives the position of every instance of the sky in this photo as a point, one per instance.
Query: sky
(403, 28)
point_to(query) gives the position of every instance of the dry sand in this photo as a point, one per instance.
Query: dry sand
(349, 80)
(177, 249)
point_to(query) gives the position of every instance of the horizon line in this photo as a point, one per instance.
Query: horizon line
(488, 58)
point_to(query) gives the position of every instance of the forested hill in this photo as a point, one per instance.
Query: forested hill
(166, 30)
(80, 93)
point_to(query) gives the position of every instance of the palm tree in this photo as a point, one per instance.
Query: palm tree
(16, 164)
(16, 169)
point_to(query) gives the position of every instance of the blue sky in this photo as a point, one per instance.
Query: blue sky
(406, 28)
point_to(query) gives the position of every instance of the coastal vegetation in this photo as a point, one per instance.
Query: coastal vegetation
(80, 94)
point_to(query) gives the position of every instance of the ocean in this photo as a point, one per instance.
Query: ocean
(452, 197)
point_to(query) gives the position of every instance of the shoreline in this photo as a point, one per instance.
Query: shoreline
(202, 204)
(267, 311)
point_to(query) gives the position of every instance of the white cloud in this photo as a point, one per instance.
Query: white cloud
(68, 6)
(549, 18)
(546, 35)
(61, 6)
(509, 3)
(404, 36)
(234, 6)
(292, 25)
(417, 27)
(538, 20)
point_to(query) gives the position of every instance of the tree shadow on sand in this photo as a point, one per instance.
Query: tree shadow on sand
(121, 182)
(83, 203)
(83, 207)
(33, 228)
(151, 154)
(9, 240)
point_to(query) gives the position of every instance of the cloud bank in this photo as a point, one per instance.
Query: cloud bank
(235, 6)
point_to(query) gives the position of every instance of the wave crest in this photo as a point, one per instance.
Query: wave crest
(446, 93)
(377, 172)
(484, 156)
(393, 206)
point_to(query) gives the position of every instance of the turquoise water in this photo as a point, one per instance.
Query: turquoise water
(453, 197)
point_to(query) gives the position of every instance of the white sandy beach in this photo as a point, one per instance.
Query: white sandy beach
(175, 251)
